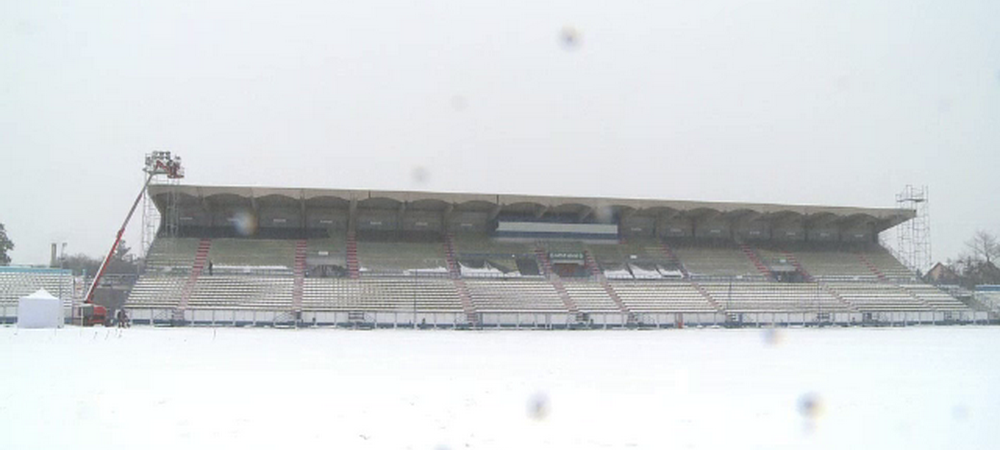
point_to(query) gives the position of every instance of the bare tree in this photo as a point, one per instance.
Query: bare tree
(6, 245)
(984, 246)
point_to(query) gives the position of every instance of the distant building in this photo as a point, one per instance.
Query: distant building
(941, 274)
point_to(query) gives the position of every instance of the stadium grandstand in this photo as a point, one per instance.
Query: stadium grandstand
(17, 282)
(284, 256)
(988, 296)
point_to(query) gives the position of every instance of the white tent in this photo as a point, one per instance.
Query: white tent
(39, 310)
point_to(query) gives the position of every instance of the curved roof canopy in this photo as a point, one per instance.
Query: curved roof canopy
(498, 204)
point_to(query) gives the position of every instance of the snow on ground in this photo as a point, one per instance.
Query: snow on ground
(918, 387)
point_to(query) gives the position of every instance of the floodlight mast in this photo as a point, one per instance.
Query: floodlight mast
(157, 163)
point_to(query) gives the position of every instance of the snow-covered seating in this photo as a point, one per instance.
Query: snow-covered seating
(242, 292)
(402, 258)
(826, 262)
(888, 265)
(166, 253)
(16, 282)
(773, 297)
(935, 297)
(514, 295)
(380, 294)
(661, 296)
(870, 297)
(719, 259)
(589, 297)
(270, 256)
(156, 291)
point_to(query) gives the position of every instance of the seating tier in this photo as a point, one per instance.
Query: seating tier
(385, 294)
(398, 258)
(489, 295)
(870, 297)
(723, 259)
(242, 292)
(17, 284)
(153, 291)
(661, 296)
(773, 297)
(167, 252)
(267, 253)
(590, 297)
(934, 297)
(831, 264)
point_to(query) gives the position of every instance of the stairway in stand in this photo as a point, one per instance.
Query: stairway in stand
(755, 259)
(557, 282)
(672, 257)
(836, 295)
(798, 266)
(299, 270)
(864, 260)
(543, 260)
(915, 297)
(595, 271)
(200, 257)
(455, 273)
(353, 269)
(706, 296)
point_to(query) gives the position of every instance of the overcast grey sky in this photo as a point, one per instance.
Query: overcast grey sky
(836, 103)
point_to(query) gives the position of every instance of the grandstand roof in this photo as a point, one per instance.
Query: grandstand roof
(212, 196)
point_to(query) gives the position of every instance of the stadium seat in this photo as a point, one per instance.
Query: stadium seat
(256, 274)
(714, 259)
(167, 253)
(888, 265)
(589, 297)
(873, 297)
(661, 296)
(242, 292)
(508, 258)
(514, 295)
(402, 258)
(380, 294)
(773, 297)
(19, 282)
(934, 297)
(252, 256)
(832, 262)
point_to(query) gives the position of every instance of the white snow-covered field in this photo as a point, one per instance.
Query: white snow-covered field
(933, 387)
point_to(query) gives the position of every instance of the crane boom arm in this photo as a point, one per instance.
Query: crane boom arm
(118, 238)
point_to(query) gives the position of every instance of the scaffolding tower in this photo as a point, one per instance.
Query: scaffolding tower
(154, 223)
(150, 223)
(913, 237)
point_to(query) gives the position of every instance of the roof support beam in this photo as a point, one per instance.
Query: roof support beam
(541, 212)
(399, 215)
(352, 216)
(446, 217)
(302, 213)
(584, 213)
(253, 201)
(496, 211)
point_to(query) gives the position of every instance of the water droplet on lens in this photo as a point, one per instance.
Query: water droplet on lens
(570, 38)
(538, 406)
(420, 175)
(810, 406)
(772, 336)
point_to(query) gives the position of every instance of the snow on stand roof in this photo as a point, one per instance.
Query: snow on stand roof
(511, 204)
